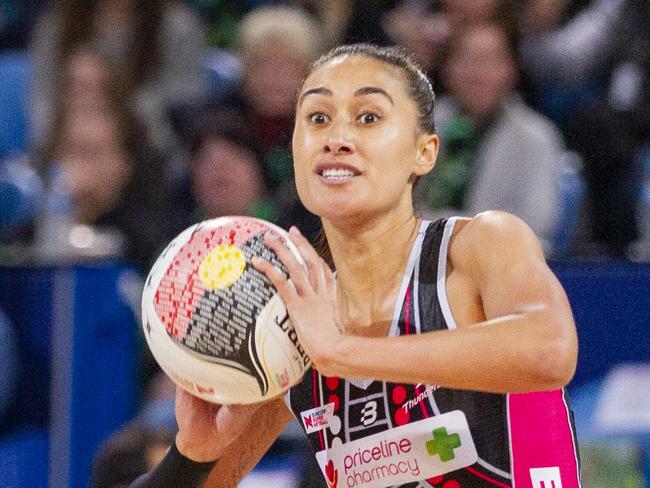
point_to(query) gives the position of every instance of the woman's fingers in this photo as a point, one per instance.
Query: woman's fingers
(319, 271)
(307, 251)
(296, 270)
(285, 288)
(330, 281)
(314, 274)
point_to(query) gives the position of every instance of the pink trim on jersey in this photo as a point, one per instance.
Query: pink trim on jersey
(541, 436)
(317, 403)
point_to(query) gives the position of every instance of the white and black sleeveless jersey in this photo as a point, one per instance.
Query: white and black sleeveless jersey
(367, 433)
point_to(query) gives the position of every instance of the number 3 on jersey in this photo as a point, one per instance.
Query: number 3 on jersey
(369, 413)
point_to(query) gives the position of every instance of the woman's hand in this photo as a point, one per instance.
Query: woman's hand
(205, 430)
(310, 296)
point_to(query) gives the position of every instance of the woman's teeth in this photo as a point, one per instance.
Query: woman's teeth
(337, 173)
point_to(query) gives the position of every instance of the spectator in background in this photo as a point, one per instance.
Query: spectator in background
(16, 18)
(112, 188)
(276, 46)
(607, 42)
(114, 179)
(129, 453)
(90, 88)
(140, 445)
(333, 16)
(225, 171)
(496, 152)
(423, 29)
(366, 21)
(461, 13)
(154, 47)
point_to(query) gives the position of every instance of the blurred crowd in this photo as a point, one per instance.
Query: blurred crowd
(124, 121)
(135, 109)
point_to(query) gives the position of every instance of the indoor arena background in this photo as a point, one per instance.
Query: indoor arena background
(124, 121)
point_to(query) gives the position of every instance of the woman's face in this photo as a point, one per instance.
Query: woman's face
(226, 178)
(480, 71)
(271, 80)
(356, 143)
(87, 84)
(98, 167)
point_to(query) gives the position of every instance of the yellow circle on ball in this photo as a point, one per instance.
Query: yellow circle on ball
(222, 266)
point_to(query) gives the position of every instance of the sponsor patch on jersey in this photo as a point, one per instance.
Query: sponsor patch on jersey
(422, 391)
(317, 418)
(412, 452)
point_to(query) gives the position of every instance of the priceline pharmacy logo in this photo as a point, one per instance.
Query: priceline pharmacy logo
(412, 452)
(381, 461)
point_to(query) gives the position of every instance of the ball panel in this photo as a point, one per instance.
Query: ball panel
(281, 367)
(288, 359)
(211, 381)
(222, 267)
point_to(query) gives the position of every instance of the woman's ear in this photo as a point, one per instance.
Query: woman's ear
(427, 153)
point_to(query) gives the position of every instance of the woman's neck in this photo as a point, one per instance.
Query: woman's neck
(370, 259)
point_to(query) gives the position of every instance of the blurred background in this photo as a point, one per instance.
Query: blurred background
(124, 121)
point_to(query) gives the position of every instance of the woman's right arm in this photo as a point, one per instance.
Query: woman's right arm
(224, 441)
(241, 457)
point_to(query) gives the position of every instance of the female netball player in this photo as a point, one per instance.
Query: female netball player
(440, 349)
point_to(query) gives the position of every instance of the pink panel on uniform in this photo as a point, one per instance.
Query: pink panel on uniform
(541, 436)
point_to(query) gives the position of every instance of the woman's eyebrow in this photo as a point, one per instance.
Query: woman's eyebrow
(320, 90)
(369, 90)
(366, 90)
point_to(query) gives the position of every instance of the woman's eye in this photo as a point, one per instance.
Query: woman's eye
(318, 118)
(368, 118)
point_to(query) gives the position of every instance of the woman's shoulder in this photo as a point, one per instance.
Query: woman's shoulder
(489, 236)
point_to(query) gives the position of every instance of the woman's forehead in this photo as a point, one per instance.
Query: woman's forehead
(349, 73)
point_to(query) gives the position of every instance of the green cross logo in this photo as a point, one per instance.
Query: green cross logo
(443, 444)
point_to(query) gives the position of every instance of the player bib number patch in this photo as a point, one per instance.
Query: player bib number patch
(412, 452)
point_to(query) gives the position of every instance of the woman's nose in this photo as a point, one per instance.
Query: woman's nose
(339, 141)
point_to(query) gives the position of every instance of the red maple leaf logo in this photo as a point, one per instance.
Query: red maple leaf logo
(332, 474)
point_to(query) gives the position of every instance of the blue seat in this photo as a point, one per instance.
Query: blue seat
(14, 77)
(24, 459)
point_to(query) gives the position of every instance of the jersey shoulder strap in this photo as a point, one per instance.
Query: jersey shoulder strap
(430, 278)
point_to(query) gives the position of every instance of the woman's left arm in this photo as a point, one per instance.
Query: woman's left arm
(527, 343)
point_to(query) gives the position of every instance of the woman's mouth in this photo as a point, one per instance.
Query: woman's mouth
(336, 172)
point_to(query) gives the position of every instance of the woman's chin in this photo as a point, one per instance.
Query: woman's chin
(335, 211)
